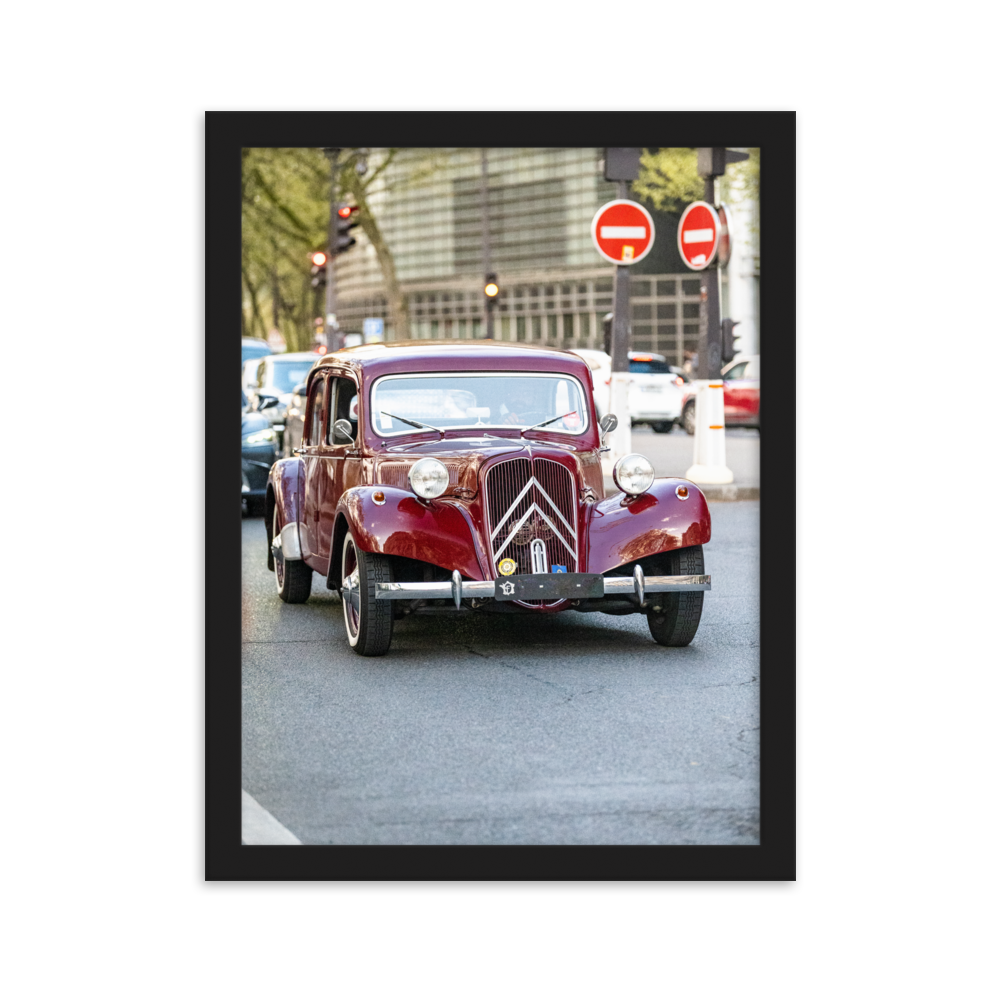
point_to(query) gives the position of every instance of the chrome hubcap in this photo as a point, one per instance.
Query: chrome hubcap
(351, 590)
(279, 556)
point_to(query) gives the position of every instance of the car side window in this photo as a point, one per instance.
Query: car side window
(344, 408)
(314, 416)
(736, 371)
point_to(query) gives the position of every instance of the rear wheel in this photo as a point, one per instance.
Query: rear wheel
(663, 426)
(687, 418)
(677, 621)
(293, 576)
(368, 621)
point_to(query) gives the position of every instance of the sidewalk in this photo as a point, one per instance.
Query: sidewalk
(673, 454)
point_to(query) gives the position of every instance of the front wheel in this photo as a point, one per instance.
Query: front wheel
(368, 621)
(688, 418)
(676, 623)
(293, 576)
(663, 426)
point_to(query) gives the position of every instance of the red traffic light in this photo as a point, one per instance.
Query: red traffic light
(345, 211)
(318, 258)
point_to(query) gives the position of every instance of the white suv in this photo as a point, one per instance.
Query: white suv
(656, 389)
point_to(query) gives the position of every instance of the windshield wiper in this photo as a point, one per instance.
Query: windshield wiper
(551, 420)
(475, 437)
(412, 423)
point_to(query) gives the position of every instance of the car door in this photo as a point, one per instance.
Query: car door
(313, 462)
(350, 467)
(341, 459)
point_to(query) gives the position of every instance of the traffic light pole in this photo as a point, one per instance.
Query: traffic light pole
(334, 340)
(710, 322)
(710, 412)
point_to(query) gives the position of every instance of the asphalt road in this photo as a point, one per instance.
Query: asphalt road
(557, 729)
(673, 454)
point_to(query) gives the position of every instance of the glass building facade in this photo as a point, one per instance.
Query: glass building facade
(555, 288)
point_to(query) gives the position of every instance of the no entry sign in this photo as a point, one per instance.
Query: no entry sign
(698, 235)
(623, 232)
(725, 240)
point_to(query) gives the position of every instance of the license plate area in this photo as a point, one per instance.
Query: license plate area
(549, 586)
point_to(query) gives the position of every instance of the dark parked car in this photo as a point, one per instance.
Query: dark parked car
(462, 477)
(259, 452)
(270, 388)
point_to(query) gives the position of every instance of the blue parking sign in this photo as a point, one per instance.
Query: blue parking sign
(373, 330)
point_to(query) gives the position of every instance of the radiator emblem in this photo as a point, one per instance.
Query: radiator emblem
(507, 567)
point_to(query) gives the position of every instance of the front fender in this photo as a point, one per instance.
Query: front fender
(285, 491)
(657, 521)
(433, 532)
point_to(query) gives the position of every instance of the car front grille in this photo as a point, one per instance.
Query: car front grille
(528, 500)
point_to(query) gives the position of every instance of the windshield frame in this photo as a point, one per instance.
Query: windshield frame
(474, 430)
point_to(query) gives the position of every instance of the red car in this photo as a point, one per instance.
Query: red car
(741, 395)
(450, 478)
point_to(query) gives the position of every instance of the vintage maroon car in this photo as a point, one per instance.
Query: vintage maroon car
(466, 476)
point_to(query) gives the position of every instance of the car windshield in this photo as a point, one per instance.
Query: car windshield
(479, 402)
(288, 374)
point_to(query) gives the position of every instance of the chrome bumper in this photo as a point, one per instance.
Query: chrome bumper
(545, 586)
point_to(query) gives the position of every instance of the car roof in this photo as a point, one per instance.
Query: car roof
(453, 355)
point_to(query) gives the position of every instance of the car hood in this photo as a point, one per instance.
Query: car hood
(466, 458)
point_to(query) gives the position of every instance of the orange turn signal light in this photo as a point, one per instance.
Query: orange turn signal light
(379, 497)
(682, 492)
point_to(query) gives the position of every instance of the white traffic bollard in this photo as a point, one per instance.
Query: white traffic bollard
(710, 435)
(620, 439)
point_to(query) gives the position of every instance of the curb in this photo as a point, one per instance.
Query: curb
(724, 494)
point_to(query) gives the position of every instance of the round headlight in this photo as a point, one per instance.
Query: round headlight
(428, 478)
(633, 474)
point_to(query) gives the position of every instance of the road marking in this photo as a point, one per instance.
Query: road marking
(699, 235)
(623, 232)
(260, 827)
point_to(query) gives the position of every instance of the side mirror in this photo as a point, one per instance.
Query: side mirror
(608, 423)
(342, 430)
(266, 402)
(299, 390)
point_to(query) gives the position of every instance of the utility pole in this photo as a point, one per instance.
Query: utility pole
(334, 338)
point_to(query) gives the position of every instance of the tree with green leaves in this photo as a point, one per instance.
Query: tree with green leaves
(286, 215)
(285, 195)
(668, 178)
